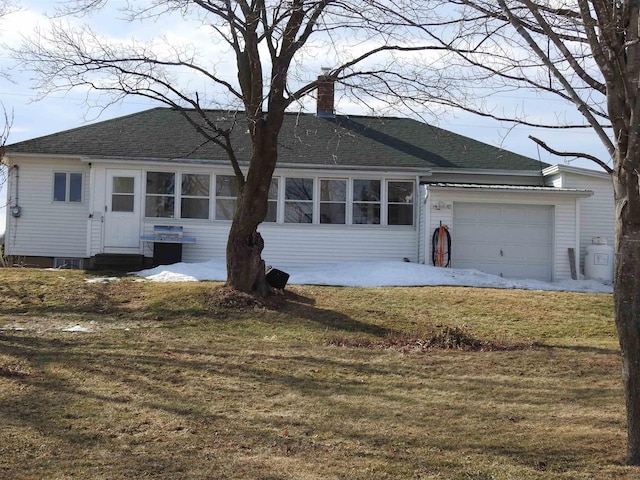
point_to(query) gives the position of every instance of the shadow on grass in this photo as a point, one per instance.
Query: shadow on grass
(302, 307)
(583, 349)
(139, 398)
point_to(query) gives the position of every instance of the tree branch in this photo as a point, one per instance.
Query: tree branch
(604, 166)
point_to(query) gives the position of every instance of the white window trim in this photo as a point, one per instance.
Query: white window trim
(387, 203)
(318, 195)
(179, 196)
(67, 188)
(176, 188)
(315, 206)
(216, 197)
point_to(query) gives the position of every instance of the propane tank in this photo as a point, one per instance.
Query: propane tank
(598, 262)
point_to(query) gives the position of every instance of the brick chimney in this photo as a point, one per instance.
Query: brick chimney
(326, 89)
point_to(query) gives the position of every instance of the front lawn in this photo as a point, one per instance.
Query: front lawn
(134, 380)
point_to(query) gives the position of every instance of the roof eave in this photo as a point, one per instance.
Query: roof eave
(556, 169)
(222, 162)
(512, 189)
(487, 171)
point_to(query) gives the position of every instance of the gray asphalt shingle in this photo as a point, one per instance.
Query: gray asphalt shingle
(305, 139)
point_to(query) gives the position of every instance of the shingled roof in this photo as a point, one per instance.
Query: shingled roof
(305, 140)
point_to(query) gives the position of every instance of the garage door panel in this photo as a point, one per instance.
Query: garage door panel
(514, 241)
(504, 253)
(480, 232)
(494, 235)
(525, 236)
(478, 213)
(529, 214)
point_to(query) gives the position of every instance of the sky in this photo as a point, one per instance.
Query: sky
(33, 117)
(370, 274)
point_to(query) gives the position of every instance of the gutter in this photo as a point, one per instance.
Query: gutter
(575, 192)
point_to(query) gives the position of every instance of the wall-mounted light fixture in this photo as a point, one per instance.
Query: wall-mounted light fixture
(441, 206)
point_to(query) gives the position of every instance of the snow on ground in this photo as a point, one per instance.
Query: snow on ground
(371, 274)
(77, 328)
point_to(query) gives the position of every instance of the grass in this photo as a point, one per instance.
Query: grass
(185, 381)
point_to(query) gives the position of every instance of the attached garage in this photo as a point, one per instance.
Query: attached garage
(510, 231)
(513, 241)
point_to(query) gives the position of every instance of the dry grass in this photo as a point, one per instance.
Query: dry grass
(188, 381)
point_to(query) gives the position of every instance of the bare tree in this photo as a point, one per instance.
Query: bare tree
(273, 44)
(586, 52)
(4, 135)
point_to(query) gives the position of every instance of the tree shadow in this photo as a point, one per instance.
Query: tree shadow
(303, 307)
(582, 349)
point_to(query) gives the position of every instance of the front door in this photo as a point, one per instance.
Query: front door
(122, 209)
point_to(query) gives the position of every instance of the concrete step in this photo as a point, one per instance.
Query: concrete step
(118, 261)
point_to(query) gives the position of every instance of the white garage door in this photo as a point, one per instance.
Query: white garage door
(513, 241)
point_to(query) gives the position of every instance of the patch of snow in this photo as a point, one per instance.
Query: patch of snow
(102, 279)
(77, 328)
(371, 274)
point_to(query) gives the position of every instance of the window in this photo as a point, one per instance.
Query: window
(226, 196)
(123, 194)
(366, 202)
(194, 202)
(298, 200)
(272, 210)
(160, 199)
(400, 203)
(67, 263)
(333, 201)
(67, 187)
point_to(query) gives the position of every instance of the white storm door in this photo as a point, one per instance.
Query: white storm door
(122, 209)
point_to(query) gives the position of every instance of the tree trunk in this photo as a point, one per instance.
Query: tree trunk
(245, 267)
(627, 301)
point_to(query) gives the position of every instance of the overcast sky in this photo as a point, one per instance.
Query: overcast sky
(59, 112)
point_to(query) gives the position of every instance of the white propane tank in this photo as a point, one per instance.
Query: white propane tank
(598, 263)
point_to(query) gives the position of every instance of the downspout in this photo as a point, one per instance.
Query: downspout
(427, 224)
(91, 205)
(417, 217)
(16, 210)
(577, 248)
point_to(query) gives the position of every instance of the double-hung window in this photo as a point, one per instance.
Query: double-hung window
(226, 196)
(298, 200)
(67, 187)
(400, 203)
(366, 202)
(160, 199)
(194, 200)
(333, 201)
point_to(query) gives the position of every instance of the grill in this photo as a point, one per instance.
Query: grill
(167, 243)
(168, 234)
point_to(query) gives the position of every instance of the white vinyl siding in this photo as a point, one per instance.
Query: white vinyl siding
(291, 245)
(597, 213)
(287, 245)
(565, 236)
(46, 228)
